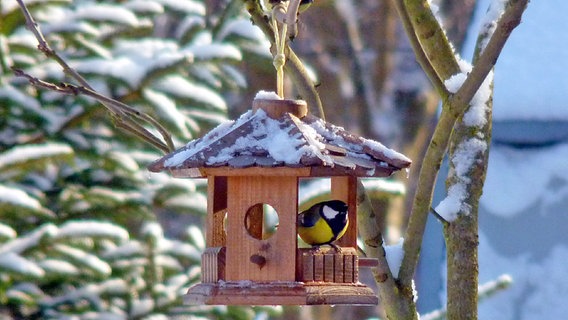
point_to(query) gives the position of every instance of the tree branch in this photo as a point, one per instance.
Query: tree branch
(373, 240)
(423, 197)
(432, 38)
(486, 290)
(121, 112)
(462, 234)
(294, 66)
(419, 53)
(117, 108)
(44, 47)
(510, 19)
(304, 84)
(436, 54)
(441, 56)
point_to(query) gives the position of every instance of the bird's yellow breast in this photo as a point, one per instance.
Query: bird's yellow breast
(319, 233)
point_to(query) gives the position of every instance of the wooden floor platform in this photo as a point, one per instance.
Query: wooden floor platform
(280, 293)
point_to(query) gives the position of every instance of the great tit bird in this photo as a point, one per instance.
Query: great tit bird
(323, 223)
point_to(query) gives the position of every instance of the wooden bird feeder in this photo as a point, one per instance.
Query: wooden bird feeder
(259, 159)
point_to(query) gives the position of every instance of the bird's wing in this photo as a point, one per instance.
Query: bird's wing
(308, 218)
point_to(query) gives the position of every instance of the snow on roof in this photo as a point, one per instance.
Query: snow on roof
(259, 138)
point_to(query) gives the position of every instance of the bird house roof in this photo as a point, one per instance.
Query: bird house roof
(280, 134)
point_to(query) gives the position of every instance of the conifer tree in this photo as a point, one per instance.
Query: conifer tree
(79, 231)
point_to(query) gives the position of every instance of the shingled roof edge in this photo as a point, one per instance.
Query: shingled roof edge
(359, 152)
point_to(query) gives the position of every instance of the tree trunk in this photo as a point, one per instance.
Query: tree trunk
(461, 243)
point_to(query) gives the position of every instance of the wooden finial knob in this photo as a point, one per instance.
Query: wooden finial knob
(275, 108)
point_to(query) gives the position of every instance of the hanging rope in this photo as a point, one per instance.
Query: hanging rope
(280, 26)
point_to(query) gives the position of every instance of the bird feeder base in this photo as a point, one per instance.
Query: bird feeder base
(280, 293)
(324, 276)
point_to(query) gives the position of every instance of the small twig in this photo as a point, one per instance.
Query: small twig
(421, 56)
(486, 290)
(439, 217)
(362, 73)
(292, 18)
(122, 112)
(510, 19)
(490, 288)
(116, 108)
(304, 84)
(44, 47)
(294, 66)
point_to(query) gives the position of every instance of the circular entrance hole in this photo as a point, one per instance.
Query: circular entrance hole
(261, 221)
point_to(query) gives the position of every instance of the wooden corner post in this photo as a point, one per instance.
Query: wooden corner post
(216, 211)
(344, 188)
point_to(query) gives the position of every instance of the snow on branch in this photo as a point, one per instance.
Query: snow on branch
(18, 198)
(394, 254)
(507, 22)
(464, 157)
(439, 61)
(6, 231)
(22, 243)
(471, 149)
(15, 263)
(92, 229)
(29, 153)
(494, 13)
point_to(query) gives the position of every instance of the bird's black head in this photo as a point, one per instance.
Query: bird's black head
(337, 205)
(335, 213)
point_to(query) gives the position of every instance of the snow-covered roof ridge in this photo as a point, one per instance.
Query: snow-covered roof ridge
(268, 137)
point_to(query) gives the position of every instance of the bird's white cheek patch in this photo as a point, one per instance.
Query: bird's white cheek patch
(329, 213)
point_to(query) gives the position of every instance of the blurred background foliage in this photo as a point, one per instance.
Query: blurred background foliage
(85, 231)
(80, 231)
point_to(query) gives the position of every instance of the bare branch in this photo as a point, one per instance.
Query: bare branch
(432, 38)
(116, 108)
(453, 108)
(435, 53)
(122, 113)
(373, 239)
(292, 18)
(510, 19)
(421, 57)
(294, 66)
(486, 290)
(304, 84)
(423, 197)
(44, 47)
